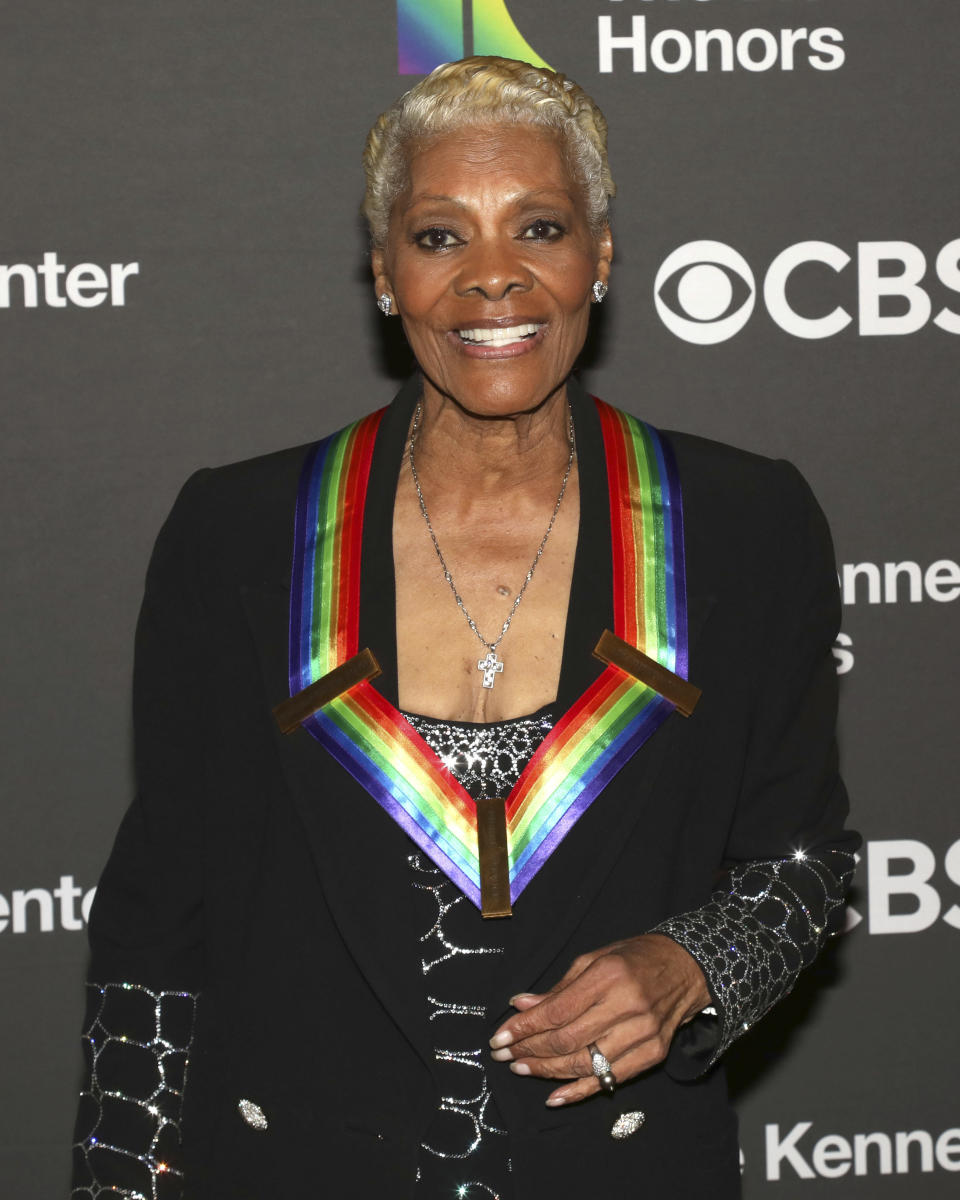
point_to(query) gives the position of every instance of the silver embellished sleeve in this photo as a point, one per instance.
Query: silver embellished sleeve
(767, 921)
(136, 1043)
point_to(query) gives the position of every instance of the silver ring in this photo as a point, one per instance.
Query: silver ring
(601, 1068)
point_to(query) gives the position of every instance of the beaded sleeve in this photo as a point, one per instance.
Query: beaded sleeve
(767, 921)
(136, 1045)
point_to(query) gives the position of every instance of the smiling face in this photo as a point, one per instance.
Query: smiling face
(490, 260)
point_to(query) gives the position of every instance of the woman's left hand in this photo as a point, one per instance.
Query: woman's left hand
(628, 998)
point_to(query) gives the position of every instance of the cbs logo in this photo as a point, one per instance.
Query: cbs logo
(705, 292)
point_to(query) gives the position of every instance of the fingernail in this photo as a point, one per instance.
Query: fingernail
(520, 996)
(520, 1068)
(503, 1038)
(501, 1055)
(556, 1101)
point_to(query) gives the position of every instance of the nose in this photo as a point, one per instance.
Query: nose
(492, 269)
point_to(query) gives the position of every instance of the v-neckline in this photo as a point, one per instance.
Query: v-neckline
(590, 607)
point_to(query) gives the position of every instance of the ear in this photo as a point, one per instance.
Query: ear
(604, 254)
(381, 277)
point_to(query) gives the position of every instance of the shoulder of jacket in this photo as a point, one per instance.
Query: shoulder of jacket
(721, 470)
(235, 521)
(244, 479)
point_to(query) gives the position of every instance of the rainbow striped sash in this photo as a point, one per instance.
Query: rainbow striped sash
(589, 744)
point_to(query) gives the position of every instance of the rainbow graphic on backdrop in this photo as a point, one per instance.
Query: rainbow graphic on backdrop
(431, 32)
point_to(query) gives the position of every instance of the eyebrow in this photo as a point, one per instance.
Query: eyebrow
(429, 197)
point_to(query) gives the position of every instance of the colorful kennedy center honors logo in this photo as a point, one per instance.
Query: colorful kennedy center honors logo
(431, 32)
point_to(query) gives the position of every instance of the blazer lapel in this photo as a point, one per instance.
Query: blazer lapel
(555, 902)
(360, 852)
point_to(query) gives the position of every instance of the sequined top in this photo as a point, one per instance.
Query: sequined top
(464, 1153)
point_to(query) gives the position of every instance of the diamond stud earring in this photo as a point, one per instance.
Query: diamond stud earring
(600, 289)
(385, 304)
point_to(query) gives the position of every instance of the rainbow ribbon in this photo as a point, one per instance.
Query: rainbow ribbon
(590, 743)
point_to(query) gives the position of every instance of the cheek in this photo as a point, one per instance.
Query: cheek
(424, 341)
(420, 294)
(425, 337)
(576, 304)
(574, 290)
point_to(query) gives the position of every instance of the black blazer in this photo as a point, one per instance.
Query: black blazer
(254, 870)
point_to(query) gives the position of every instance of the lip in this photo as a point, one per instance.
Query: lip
(488, 351)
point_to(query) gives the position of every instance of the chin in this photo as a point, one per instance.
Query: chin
(484, 394)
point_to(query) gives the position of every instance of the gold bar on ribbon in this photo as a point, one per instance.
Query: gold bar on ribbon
(680, 692)
(292, 712)
(494, 864)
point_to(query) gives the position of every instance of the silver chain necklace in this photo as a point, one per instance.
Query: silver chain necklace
(491, 666)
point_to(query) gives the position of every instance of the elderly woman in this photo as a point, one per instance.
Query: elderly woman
(468, 834)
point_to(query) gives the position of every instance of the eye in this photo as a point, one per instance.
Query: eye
(543, 230)
(435, 238)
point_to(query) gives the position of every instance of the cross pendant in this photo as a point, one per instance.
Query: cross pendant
(491, 667)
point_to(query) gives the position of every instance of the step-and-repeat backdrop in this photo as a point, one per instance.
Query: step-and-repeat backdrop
(183, 282)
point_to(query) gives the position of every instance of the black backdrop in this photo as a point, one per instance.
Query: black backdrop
(182, 278)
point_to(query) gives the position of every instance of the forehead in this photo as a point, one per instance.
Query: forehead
(497, 161)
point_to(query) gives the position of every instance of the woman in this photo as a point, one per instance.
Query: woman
(298, 905)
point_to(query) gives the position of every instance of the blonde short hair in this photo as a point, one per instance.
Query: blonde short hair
(486, 91)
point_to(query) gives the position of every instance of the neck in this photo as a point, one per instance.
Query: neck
(478, 452)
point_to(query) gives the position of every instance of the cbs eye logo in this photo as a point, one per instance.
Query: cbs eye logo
(705, 292)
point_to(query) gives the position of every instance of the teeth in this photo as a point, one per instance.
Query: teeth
(498, 337)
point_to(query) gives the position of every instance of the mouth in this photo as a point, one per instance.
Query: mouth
(500, 337)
